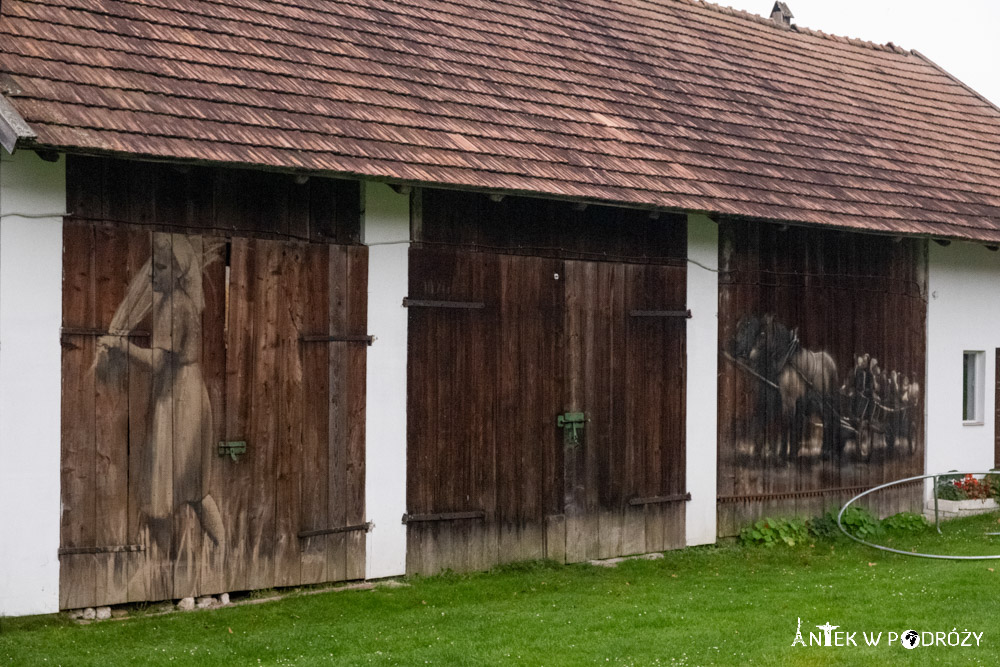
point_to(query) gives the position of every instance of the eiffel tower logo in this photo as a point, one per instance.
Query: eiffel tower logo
(798, 635)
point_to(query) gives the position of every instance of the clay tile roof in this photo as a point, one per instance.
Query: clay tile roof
(668, 103)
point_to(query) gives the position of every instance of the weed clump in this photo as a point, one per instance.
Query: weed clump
(857, 521)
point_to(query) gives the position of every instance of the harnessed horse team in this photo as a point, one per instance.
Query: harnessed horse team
(872, 412)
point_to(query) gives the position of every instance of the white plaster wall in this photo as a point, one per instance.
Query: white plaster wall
(386, 230)
(702, 378)
(30, 381)
(963, 313)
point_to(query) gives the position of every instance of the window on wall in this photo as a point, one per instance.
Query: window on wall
(973, 363)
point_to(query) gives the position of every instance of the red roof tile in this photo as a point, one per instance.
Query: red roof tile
(667, 103)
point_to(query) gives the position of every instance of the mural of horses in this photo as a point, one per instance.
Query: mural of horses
(800, 382)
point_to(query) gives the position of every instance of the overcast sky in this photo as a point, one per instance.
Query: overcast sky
(962, 36)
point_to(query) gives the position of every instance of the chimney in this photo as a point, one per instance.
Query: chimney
(781, 14)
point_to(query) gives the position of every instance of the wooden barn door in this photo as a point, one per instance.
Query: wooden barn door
(500, 346)
(624, 341)
(182, 348)
(822, 338)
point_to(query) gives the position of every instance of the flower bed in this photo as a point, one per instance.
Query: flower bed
(954, 509)
(959, 496)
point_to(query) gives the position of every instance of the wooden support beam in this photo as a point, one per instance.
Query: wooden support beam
(13, 129)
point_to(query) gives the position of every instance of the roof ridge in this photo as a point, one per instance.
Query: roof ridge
(762, 20)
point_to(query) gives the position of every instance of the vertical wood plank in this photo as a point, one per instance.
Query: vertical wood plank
(241, 350)
(77, 574)
(419, 411)
(190, 428)
(633, 531)
(111, 421)
(574, 460)
(289, 449)
(263, 417)
(158, 498)
(297, 202)
(555, 538)
(338, 417)
(214, 476)
(346, 211)
(315, 414)
(357, 324)
(140, 422)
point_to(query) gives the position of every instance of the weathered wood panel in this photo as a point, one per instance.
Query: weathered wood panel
(111, 433)
(262, 435)
(822, 338)
(237, 492)
(215, 270)
(319, 411)
(549, 228)
(654, 404)
(530, 369)
(174, 342)
(77, 573)
(140, 410)
(355, 356)
(213, 200)
(513, 322)
(453, 344)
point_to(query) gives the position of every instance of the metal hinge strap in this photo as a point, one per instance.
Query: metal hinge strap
(324, 338)
(655, 500)
(123, 548)
(366, 527)
(444, 516)
(81, 331)
(661, 313)
(426, 303)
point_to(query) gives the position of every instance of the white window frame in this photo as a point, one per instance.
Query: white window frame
(973, 387)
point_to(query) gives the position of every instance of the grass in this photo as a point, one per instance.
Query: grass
(724, 604)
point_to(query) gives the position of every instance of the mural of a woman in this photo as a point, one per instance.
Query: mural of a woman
(180, 436)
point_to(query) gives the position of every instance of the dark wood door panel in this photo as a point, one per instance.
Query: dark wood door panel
(174, 343)
(486, 459)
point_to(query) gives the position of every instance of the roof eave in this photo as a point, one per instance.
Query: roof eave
(13, 128)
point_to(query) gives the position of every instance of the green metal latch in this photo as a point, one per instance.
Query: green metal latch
(232, 448)
(571, 423)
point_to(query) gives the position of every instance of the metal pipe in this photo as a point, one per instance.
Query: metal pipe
(937, 520)
(900, 551)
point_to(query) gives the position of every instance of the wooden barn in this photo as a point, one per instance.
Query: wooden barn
(297, 292)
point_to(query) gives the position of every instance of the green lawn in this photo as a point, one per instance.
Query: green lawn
(709, 605)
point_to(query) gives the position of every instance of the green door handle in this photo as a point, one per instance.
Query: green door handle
(572, 424)
(233, 448)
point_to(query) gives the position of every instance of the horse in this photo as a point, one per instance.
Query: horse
(802, 382)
